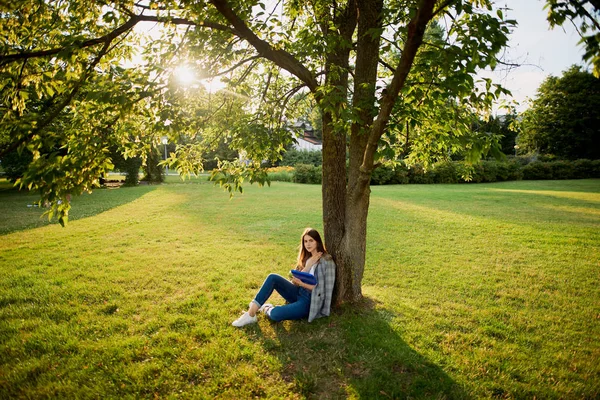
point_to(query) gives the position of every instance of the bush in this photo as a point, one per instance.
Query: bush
(583, 168)
(464, 170)
(515, 172)
(400, 174)
(131, 168)
(382, 175)
(562, 170)
(595, 169)
(445, 172)
(281, 174)
(306, 173)
(537, 170)
(294, 157)
(455, 171)
(152, 171)
(502, 171)
(524, 160)
(417, 174)
(490, 171)
(15, 164)
(475, 173)
(546, 158)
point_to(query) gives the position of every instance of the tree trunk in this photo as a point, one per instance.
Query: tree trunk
(345, 208)
(345, 223)
(334, 139)
(354, 244)
(334, 186)
(351, 255)
(365, 134)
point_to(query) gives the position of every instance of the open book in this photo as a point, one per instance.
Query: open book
(305, 277)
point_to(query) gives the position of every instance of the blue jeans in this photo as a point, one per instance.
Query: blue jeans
(298, 298)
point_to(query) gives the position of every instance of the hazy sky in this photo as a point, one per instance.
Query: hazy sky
(549, 51)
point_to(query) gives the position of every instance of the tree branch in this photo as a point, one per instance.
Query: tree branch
(432, 83)
(416, 31)
(267, 85)
(246, 72)
(364, 97)
(185, 21)
(210, 116)
(287, 98)
(280, 57)
(388, 66)
(392, 42)
(9, 58)
(239, 64)
(442, 7)
(581, 9)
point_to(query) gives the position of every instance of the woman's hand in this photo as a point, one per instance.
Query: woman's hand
(297, 281)
(306, 286)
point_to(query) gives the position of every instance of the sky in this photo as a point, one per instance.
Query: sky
(540, 50)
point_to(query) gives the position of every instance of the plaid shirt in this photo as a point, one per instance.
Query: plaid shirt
(320, 300)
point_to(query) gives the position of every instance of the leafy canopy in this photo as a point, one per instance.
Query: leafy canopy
(80, 77)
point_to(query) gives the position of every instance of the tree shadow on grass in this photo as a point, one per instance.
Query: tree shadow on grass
(354, 352)
(20, 212)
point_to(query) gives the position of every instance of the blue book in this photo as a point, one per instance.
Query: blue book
(305, 277)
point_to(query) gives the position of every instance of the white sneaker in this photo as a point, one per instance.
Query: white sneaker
(265, 308)
(245, 319)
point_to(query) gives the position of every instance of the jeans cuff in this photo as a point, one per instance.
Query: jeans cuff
(257, 303)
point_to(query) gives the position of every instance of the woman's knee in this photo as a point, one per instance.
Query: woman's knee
(288, 312)
(277, 314)
(273, 278)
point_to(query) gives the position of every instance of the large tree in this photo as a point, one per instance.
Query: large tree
(564, 118)
(364, 62)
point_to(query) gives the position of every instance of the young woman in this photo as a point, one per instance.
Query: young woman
(304, 300)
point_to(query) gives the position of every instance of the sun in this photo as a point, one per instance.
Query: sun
(185, 75)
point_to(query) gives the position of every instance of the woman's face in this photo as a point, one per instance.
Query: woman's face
(310, 244)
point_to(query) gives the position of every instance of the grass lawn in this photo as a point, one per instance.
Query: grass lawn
(471, 291)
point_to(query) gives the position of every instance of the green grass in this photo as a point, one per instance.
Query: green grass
(471, 291)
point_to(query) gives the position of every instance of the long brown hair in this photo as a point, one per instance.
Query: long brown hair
(304, 254)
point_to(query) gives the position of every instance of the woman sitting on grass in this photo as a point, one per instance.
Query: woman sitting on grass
(304, 300)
